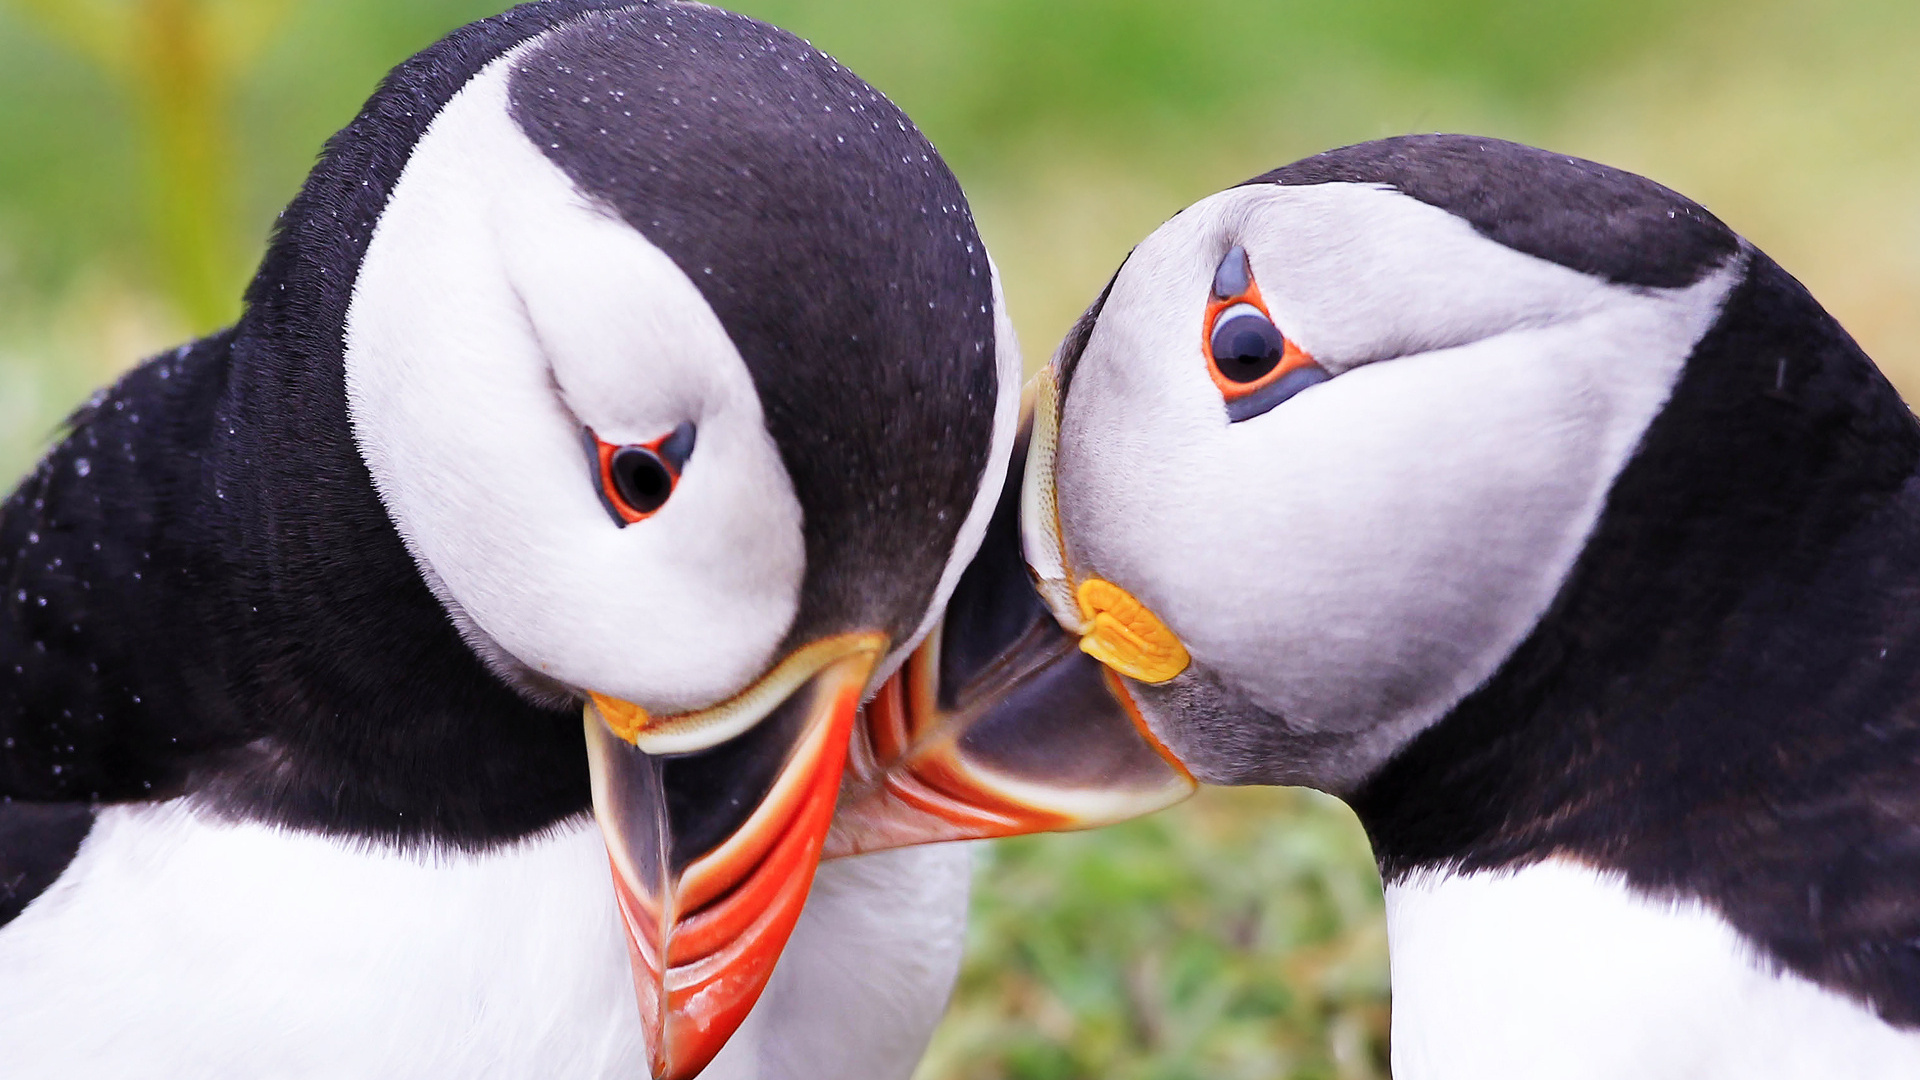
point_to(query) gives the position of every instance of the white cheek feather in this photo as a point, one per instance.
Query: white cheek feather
(1364, 555)
(1356, 273)
(496, 313)
(1561, 971)
(177, 946)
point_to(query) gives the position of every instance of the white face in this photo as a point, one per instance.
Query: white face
(1355, 560)
(497, 314)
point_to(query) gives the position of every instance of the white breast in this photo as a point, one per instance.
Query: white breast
(179, 947)
(1559, 971)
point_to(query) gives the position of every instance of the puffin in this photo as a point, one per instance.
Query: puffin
(449, 669)
(1519, 502)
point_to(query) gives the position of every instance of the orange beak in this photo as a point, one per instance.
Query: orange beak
(714, 848)
(1065, 750)
(1001, 722)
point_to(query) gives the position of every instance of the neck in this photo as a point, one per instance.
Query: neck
(1716, 705)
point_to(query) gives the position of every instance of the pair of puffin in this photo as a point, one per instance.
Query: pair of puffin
(1512, 498)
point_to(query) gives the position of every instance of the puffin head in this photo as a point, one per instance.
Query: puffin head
(678, 364)
(1343, 430)
(1329, 444)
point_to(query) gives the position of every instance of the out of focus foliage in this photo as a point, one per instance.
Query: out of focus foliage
(1235, 937)
(145, 146)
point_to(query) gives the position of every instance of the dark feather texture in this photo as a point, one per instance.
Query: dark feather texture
(1723, 702)
(204, 594)
(1583, 215)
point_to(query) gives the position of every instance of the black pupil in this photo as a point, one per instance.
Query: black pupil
(641, 478)
(1246, 347)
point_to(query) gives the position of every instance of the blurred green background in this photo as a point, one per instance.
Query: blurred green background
(145, 146)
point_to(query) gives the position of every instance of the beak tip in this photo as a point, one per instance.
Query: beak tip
(707, 906)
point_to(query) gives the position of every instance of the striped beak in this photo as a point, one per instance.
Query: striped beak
(1004, 721)
(714, 823)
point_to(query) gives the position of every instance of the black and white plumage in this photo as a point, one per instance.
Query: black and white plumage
(1585, 570)
(297, 618)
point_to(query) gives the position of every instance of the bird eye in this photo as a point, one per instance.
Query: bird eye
(1246, 345)
(640, 479)
(635, 480)
(1252, 363)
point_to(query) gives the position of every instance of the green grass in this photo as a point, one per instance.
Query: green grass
(1240, 934)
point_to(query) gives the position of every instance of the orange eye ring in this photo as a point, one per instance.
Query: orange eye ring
(1251, 391)
(1292, 358)
(635, 480)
